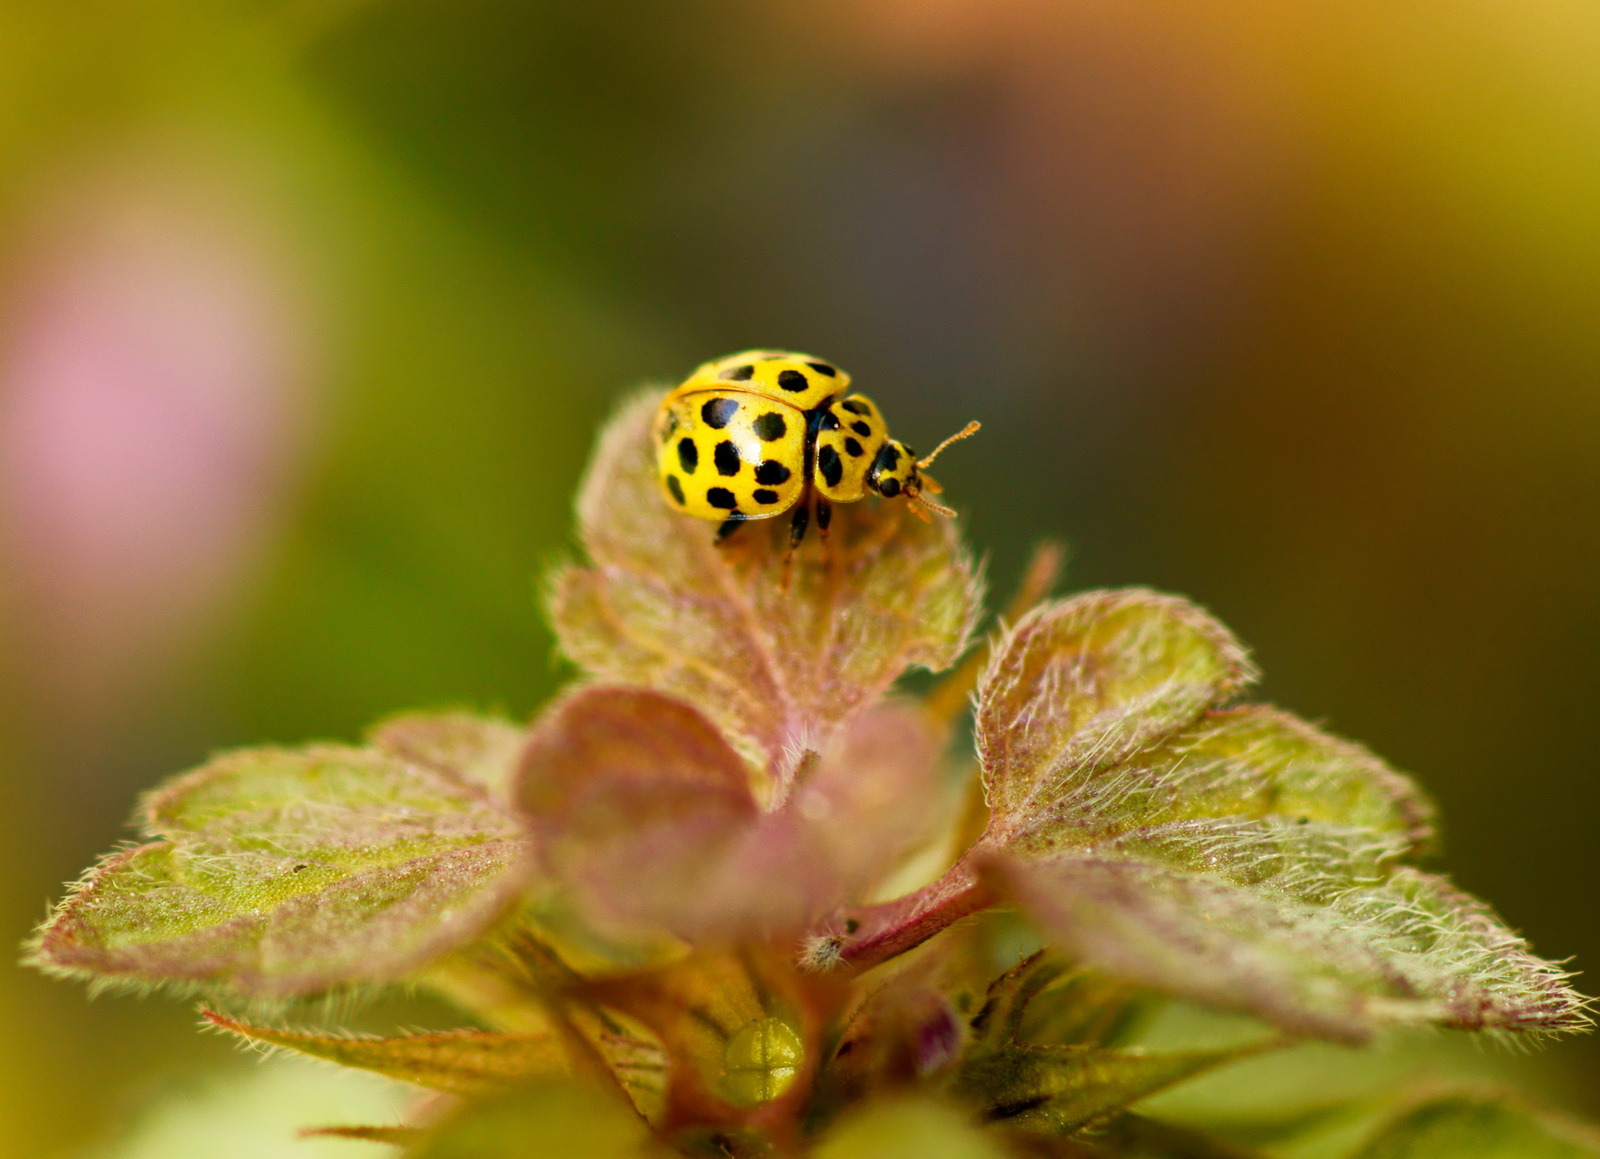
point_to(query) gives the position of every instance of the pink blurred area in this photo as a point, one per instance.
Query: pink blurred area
(152, 398)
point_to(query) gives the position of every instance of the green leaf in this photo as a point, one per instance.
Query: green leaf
(284, 872)
(1057, 1088)
(909, 1129)
(1481, 1126)
(779, 671)
(1062, 1089)
(462, 1062)
(1240, 857)
(554, 1118)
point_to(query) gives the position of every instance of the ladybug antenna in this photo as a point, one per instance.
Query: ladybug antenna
(965, 432)
(918, 499)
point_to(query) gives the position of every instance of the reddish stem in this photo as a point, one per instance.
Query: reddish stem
(862, 938)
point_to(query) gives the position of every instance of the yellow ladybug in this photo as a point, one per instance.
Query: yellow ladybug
(757, 434)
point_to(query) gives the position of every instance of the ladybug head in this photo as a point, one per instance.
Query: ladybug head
(898, 471)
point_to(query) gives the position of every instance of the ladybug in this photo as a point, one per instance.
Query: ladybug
(765, 432)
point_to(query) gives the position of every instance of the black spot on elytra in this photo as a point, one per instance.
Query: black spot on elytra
(726, 457)
(772, 472)
(829, 464)
(823, 368)
(688, 455)
(762, 495)
(854, 407)
(862, 429)
(676, 488)
(889, 487)
(793, 381)
(828, 422)
(738, 373)
(853, 448)
(770, 427)
(718, 411)
(722, 498)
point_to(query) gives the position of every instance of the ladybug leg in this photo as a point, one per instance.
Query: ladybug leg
(728, 527)
(798, 524)
(824, 516)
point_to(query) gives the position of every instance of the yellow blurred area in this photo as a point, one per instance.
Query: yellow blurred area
(308, 311)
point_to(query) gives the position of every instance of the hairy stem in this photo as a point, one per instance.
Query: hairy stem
(862, 938)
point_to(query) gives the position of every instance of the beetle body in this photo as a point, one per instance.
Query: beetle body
(766, 432)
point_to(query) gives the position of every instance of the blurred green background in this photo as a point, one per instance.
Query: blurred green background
(309, 311)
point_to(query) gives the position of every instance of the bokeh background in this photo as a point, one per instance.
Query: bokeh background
(309, 308)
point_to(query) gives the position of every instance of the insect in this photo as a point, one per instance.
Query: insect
(765, 432)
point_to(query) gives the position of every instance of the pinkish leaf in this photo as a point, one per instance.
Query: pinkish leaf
(480, 751)
(877, 793)
(778, 671)
(615, 780)
(637, 801)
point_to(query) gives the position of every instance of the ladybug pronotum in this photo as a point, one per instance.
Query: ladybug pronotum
(766, 432)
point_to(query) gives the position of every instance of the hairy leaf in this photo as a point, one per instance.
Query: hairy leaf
(1481, 1126)
(1320, 954)
(1238, 856)
(284, 872)
(1080, 685)
(1253, 763)
(462, 1062)
(476, 750)
(778, 670)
